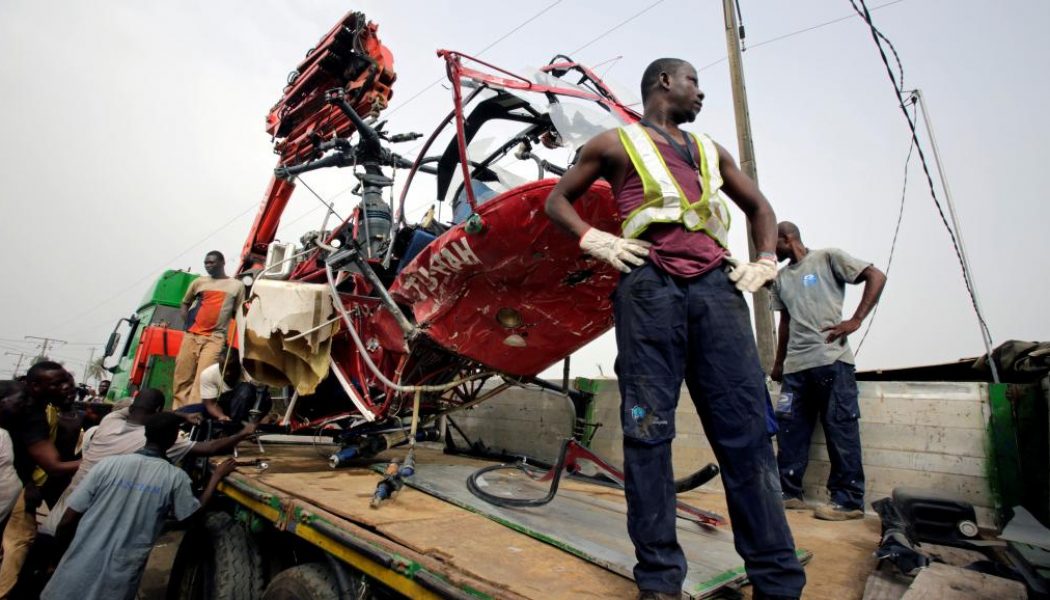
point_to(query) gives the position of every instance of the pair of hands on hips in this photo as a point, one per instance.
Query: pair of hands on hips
(835, 332)
(622, 253)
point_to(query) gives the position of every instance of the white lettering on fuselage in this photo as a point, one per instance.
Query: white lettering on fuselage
(449, 260)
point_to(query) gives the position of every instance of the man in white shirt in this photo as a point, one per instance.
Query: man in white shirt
(123, 432)
(227, 393)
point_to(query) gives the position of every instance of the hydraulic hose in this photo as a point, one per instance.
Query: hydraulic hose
(681, 485)
(363, 352)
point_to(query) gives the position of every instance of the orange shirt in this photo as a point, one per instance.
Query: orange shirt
(213, 302)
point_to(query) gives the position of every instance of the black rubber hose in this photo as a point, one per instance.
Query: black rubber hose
(684, 484)
(691, 482)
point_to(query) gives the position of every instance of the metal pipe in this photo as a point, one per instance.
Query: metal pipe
(406, 326)
(291, 407)
(380, 557)
(341, 578)
(461, 143)
(372, 366)
(986, 335)
(312, 329)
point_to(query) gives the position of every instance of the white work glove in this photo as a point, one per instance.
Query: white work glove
(750, 277)
(616, 251)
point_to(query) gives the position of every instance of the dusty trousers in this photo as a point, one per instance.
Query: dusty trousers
(18, 536)
(670, 329)
(830, 394)
(197, 352)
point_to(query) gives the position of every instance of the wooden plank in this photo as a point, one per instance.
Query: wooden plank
(919, 438)
(535, 569)
(933, 412)
(963, 442)
(923, 390)
(949, 555)
(592, 526)
(446, 539)
(926, 462)
(944, 582)
(347, 493)
(968, 488)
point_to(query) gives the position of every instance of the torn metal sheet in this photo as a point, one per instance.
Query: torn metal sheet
(593, 529)
(519, 295)
(1026, 529)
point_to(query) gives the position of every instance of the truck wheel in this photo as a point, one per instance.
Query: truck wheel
(217, 560)
(312, 581)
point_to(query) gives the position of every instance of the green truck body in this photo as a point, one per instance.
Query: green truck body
(159, 306)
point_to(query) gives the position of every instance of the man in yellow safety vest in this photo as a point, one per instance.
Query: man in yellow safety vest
(680, 315)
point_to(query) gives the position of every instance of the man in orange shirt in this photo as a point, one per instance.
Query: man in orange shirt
(209, 304)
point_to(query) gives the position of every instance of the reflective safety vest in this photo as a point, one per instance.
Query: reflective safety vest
(663, 199)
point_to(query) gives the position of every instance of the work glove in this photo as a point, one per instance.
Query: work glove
(750, 277)
(616, 251)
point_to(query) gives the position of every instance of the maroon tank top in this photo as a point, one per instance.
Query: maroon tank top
(675, 249)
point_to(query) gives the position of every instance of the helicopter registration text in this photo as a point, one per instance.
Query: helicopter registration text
(451, 259)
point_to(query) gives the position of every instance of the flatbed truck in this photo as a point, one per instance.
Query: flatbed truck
(300, 529)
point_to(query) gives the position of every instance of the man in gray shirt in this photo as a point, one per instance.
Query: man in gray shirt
(123, 432)
(814, 364)
(117, 513)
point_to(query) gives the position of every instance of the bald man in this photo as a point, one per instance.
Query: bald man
(814, 364)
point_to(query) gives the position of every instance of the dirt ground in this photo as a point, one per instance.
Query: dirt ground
(842, 551)
(843, 554)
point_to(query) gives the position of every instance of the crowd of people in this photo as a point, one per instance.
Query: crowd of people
(82, 498)
(72, 495)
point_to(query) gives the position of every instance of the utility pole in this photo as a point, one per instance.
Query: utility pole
(764, 333)
(18, 367)
(986, 336)
(45, 341)
(87, 365)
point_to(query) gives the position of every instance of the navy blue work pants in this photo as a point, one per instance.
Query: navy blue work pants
(830, 394)
(698, 330)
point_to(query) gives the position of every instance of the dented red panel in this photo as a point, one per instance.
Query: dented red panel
(521, 262)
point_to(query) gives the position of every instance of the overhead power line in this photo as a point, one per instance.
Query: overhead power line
(879, 38)
(78, 316)
(617, 26)
(477, 53)
(255, 205)
(153, 274)
(29, 342)
(893, 244)
(800, 32)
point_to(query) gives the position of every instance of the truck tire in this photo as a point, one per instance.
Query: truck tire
(217, 560)
(310, 581)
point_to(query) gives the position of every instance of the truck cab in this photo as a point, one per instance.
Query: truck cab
(151, 339)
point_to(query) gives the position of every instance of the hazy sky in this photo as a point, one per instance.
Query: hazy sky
(134, 130)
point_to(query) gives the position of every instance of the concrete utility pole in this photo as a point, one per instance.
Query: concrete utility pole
(764, 332)
(18, 367)
(87, 365)
(45, 342)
